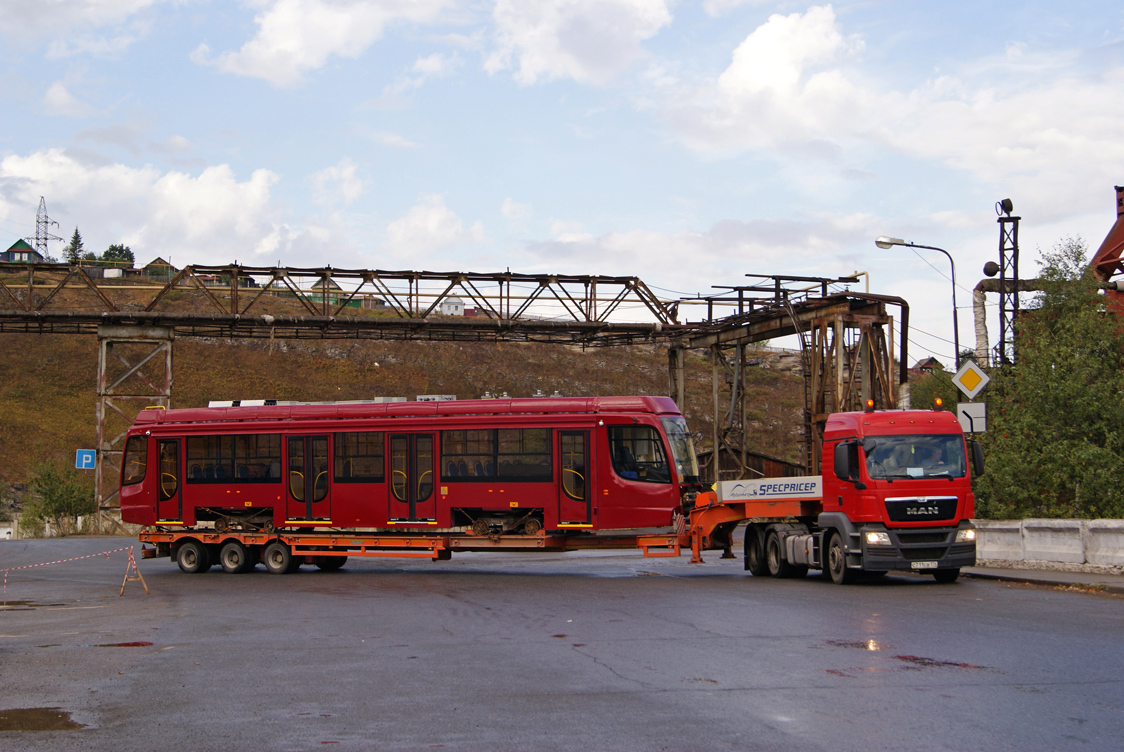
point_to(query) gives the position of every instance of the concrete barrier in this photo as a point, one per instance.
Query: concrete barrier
(1104, 543)
(1079, 545)
(999, 540)
(1054, 540)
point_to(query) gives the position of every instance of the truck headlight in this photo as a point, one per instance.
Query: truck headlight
(875, 538)
(966, 536)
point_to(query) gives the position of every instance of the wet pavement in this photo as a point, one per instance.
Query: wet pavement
(590, 651)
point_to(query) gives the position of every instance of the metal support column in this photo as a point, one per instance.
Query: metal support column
(676, 374)
(1008, 290)
(134, 372)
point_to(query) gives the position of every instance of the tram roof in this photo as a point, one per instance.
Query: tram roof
(490, 407)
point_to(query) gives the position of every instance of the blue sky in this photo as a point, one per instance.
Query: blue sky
(684, 143)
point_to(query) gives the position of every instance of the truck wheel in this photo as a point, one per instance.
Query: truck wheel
(774, 558)
(946, 576)
(330, 563)
(277, 558)
(754, 553)
(837, 561)
(234, 557)
(193, 557)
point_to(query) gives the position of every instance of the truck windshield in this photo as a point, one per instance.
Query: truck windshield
(682, 449)
(924, 456)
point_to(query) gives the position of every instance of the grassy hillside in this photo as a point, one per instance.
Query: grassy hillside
(47, 383)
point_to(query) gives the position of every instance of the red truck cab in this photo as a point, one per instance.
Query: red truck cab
(899, 493)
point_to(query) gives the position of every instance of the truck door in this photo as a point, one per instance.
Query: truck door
(411, 478)
(574, 485)
(308, 478)
(169, 481)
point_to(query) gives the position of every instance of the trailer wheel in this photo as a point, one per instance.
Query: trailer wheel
(234, 557)
(945, 576)
(193, 558)
(754, 553)
(837, 561)
(330, 563)
(277, 558)
(775, 561)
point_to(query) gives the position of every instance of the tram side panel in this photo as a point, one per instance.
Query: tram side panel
(571, 474)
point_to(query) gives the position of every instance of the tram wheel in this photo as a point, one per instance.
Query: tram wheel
(277, 558)
(193, 557)
(234, 557)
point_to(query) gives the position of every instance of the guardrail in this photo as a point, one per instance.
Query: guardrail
(1083, 545)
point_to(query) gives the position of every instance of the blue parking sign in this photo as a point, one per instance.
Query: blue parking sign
(85, 459)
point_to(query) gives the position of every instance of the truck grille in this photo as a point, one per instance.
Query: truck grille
(909, 538)
(914, 508)
(924, 554)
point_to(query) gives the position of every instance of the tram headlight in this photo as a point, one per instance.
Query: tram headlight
(967, 535)
(877, 538)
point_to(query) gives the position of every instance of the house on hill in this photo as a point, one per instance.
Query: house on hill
(158, 268)
(927, 365)
(452, 307)
(21, 252)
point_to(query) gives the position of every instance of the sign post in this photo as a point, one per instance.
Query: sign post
(86, 459)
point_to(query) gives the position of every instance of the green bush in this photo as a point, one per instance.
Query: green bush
(60, 498)
(1056, 417)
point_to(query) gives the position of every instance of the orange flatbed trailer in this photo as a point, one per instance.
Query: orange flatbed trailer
(710, 525)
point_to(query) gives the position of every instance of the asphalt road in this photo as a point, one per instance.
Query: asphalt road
(581, 651)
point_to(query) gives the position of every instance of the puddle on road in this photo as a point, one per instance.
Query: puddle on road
(124, 645)
(26, 605)
(37, 719)
(871, 645)
(920, 662)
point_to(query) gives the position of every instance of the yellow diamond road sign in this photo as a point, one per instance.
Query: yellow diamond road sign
(970, 379)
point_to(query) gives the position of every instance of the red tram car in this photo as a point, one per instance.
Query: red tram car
(473, 466)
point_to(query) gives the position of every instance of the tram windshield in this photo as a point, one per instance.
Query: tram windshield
(682, 449)
(924, 456)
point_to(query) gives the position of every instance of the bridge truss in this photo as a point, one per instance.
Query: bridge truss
(846, 339)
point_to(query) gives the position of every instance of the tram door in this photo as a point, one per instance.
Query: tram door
(169, 488)
(574, 490)
(411, 478)
(308, 478)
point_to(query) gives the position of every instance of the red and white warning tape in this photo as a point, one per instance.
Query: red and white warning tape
(60, 561)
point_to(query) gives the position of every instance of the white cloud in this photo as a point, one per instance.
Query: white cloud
(430, 226)
(807, 246)
(717, 8)
(1033, 123)
(211, 217)
(590, 41)
(388, 139)
(72, 25)
(432, 66)
(18, 17)
(59, 101)
(513, 210)
(778, 91)
(297, 36)
(337, 184)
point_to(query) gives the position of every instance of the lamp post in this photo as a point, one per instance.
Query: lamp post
(887, 242)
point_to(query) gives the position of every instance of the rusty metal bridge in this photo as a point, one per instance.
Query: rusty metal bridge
(846, 339)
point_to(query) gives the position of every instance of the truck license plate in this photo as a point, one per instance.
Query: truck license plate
(923, 564)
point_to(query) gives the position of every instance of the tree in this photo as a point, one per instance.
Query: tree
(119, 254)
(75, 250)
(1056, 417)
(60, 498)
(926, 388)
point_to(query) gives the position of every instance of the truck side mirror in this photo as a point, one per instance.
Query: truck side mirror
(843, 452)
(847, 463)
(977, 458)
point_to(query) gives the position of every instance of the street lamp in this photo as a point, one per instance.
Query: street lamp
(886, 242)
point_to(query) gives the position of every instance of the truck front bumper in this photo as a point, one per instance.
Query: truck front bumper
(918, 549)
